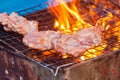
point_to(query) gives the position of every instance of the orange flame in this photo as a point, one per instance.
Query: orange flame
(68, 18)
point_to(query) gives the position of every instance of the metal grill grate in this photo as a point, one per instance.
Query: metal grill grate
(44, 17)
(52, 59)
(13, 40)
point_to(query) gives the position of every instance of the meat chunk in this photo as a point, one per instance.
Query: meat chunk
(23, 26)
(75, 44)
(79, 42)
(6, 21)
(41, 40)
(17, 23)
(68, 44)
(89, 36)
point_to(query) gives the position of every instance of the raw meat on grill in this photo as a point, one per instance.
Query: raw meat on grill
(74, 44)
(4, 18)
(79, 42)
(17, 23)
(41, 40)
(23, 26)
(89, 36)
(6, 21)
(68, 44)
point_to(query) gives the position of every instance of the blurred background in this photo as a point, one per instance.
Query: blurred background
(17, 5)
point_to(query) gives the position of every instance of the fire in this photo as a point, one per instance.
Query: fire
(99, 50)
(103, 21)
(68, 19)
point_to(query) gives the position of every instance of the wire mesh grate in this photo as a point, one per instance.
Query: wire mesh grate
(49, 58)
(12, 39)
(109, 44)
(32, 9)
(44, 17)
(52, 59)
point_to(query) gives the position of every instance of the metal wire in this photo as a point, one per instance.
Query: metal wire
(13, 40)
(51, 59)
